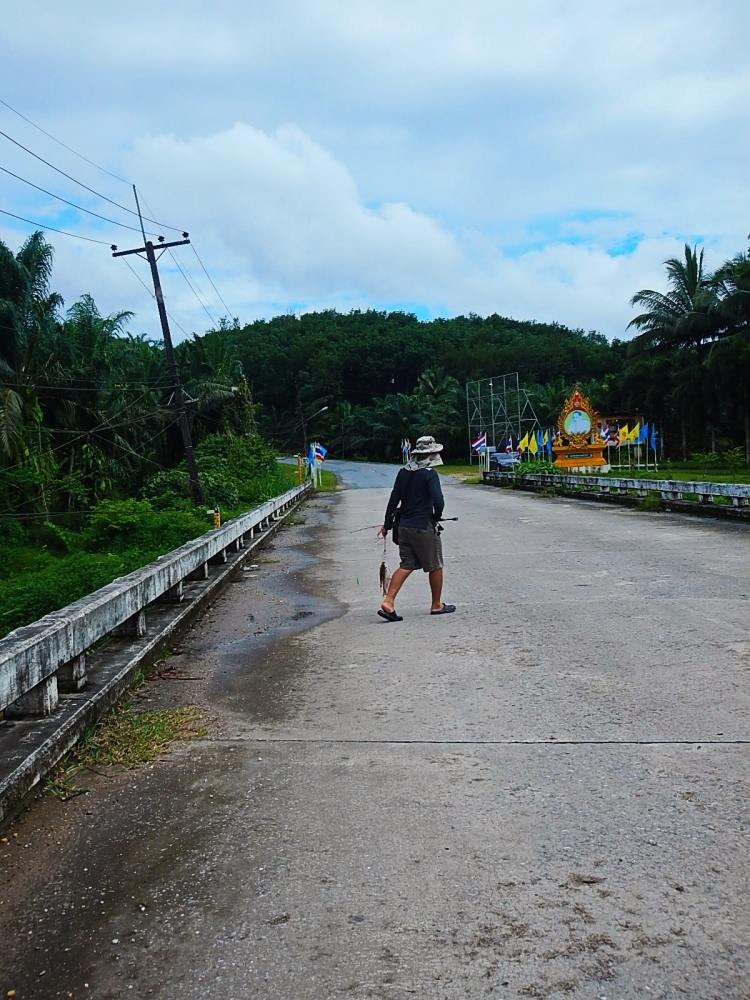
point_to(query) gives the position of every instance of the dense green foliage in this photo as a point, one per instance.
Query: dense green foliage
(46, 566)
(385, 376)
(91, 479)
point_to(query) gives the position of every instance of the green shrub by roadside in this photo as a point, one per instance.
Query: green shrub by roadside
(47, 565)
(31, 594)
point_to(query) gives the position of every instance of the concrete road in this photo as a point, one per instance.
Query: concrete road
(543, 795)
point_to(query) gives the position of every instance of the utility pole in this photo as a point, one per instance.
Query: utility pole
(179, 396)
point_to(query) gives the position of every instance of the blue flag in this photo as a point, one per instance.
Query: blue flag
(652, 442)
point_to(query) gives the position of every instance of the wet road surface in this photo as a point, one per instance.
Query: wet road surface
(543, 795)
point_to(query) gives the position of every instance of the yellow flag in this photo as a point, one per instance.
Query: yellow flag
(636, 432)
(523, 444)
(533, 448)
(624, 434)
(545, 439)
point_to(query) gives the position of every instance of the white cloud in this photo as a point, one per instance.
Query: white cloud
(487, 158)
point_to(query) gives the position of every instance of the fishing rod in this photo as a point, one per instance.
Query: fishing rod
(367, 527)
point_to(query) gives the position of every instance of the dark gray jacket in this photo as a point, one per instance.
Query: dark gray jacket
(424, 504)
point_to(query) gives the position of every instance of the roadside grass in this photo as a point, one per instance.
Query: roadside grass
(327, 482)
(288, 474)
(466, 473)
(328, 479)
(126, 737)
(668, 470)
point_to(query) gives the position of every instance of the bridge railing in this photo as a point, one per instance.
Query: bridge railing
(736, 494)
(41, 659)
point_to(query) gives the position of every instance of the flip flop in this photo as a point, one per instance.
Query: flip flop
(445, 610)
(390, 616)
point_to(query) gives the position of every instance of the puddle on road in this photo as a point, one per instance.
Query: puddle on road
(257, 662)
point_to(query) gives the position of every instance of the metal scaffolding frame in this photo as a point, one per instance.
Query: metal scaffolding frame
(499, 407)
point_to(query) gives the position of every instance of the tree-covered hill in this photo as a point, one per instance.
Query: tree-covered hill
(372, 368)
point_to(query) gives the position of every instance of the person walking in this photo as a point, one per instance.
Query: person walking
(415, 505)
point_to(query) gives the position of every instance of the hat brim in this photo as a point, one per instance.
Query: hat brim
(434, 450)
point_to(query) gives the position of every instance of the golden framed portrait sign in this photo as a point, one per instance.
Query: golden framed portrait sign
(578, 446)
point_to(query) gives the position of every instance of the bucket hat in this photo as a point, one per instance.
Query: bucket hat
(426, 445)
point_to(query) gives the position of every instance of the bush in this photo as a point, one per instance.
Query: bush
(32, 595)
(704, 460)
(55, 537)
(49, 566)
(734, 458)
(168, 489)
(113, 520)
(541, 466)
(133, 525)
(220, 489)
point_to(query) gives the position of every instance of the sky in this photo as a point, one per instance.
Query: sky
(537, 160)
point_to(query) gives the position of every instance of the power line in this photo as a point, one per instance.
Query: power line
(72, 204)
(49, 513)
(66, 444)
(81, 184)
(110, 174)
(140, 279)
(129, 422)
(8, 512)
(85, 388)
(130, 451)
(221, 297)
(192, 289)
(212, 318)
(171, 254)
(61, 143)
(52, 229)
(121, 381)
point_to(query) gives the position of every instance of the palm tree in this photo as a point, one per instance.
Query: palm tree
(731, 359)
(393, 418)
(684, 316)
(29, 344)
(443, 403)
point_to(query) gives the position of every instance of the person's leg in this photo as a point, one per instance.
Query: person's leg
(397, 581)
(436, 589)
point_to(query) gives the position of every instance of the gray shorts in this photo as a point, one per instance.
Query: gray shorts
(420, 548)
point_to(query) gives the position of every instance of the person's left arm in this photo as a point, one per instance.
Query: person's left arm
(436, 495)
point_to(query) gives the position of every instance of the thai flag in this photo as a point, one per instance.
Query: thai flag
(606, 437)
(481, 442)
(320, 452)
(509, 446)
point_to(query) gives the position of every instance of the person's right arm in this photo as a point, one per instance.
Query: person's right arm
(393, 503)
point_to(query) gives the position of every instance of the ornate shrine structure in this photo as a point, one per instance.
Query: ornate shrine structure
(578, 445)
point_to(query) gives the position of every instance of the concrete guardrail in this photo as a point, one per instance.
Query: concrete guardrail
(733, 498)
(38, 661)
